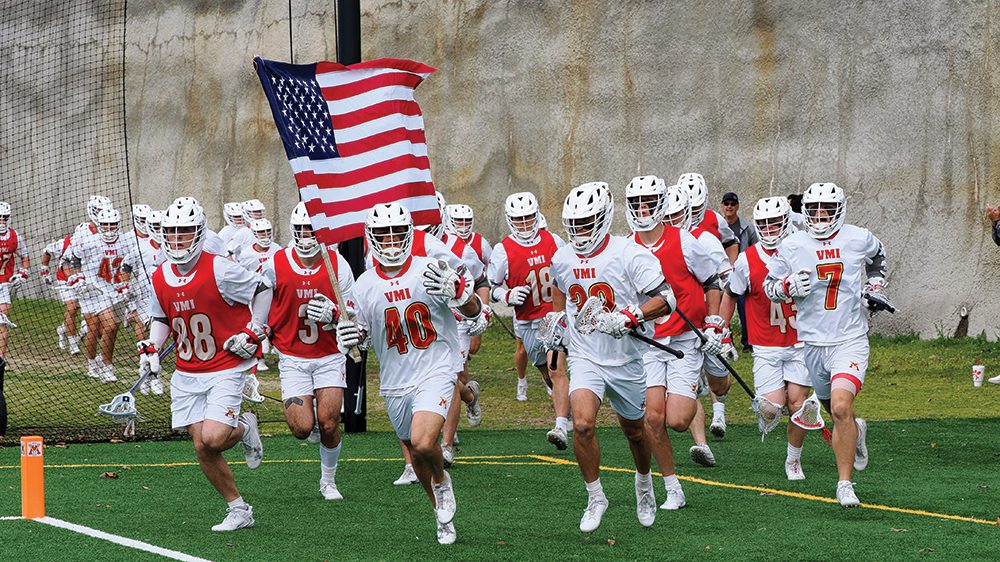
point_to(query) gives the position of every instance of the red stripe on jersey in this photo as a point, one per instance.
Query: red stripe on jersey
(455, 244)
(768, 323)
(529, 265)
(476, 241)
(687, 289)
(294, 334)
(8, 255)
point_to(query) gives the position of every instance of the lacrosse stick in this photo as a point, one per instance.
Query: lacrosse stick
(587, 318)
(122, 407)
(732, 371)
(768, 415)
(5, 321)
(878, 302)
(809, 415)
(251, 390)
(552, 329)
(505, 327)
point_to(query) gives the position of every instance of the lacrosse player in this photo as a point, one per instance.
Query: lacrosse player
(66, 331)
(146, 223)
(629, 281)
(201, 301)
(692, 272)
(405, 306)
(236, 226)
(779, 370)
(824, 269)
(256, 255)
(303, 320)
(520, 273)
(461, 221)
(15, 268)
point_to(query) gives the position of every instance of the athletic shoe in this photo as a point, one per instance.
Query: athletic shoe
(261, 365)
(61, 332)
(522, 390)
(702, 455)
(253, 448)
(454, 440)
(473, 410)
(557, 436)
(645, 504)
(675, 498)
(236, 518)
(106, 373)
(328, 488)
(994, 380)
(846, 495)
(93, 369)
(448, 452)
(446, 533)
(861, 451)
(718, 427)
(793, 469)
(591, 520)
(407, 477)
(155, 385)
(74, 345)
(444, 499)
(314, 435)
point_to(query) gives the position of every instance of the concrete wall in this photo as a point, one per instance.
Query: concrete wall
(899, 103)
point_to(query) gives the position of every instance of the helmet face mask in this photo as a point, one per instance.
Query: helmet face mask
(183, 231)
(523, 218)
(771, 217)
(253, 209)
(824, 207)
(109, 224)
(676, 207)
(233, 213)
(4, 217)
(697, 195)
(153, 224)
(303, 237)
(389, 232)
(586, 216)
(140, 214)
(263, 233)
(461, 220)
(644, 198)
(95, 205)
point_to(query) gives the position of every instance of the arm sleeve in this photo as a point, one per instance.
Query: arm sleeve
(472, 263)
(155, 311)
(236, 284)
(496, 271)
(437, 250)
(346, 279)
(739, 279)
(559, 241)
(697, 258)
(726, 234)
(876, 265)
(22, 247)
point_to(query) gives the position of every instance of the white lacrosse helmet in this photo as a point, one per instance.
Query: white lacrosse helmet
(523, 218)
(109, 222)
(95, 205)
(253, 209)
(436, 230)
(389, 231)
(154, 223)
(183, 231)
(233, 213)
(188, 201)
(587, 214)
(140, 214)
(461, 219)
(824, 206)
(305, 241)
(697, 195)
(263, 232)
(676, 207)
(645, 191)
(4, 217)
(771, 219)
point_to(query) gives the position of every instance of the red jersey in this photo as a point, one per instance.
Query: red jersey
(529, 266)
(294, 287)
(477, 243)
(769, 324)
(689, 292)
(8, 255)
(200, 319)
(455, 244)
(710, 223)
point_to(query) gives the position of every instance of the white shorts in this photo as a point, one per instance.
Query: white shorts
(95, 302)
(300, 376)
(679, 376)
(774, 366)
(64, 293)
(714, 367)
(532, 346)
(196, 398)
(625, 384)
(4, 293)
(433, 394)
(847, 360)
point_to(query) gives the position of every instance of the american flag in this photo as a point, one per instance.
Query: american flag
(354, 137)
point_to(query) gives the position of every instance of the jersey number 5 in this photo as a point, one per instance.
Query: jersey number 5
(418, 328)
(832, 272)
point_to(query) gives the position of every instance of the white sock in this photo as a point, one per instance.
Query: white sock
(671, 482)
(794, 453)
(238, 503)
(328, 458)
(73, 339)
(719, 408)
(594, 489)
(563, 423)
(644, 480)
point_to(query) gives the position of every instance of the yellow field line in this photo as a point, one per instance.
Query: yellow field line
(777, 492)
(462, 459)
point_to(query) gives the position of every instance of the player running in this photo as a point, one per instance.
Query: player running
(629, 280)
(520, 273)
(53, 254)
(779, 370)
(15, 268)
(823, 269)
(201, 301)
(405, 306)
(255, 256)
(461, 222)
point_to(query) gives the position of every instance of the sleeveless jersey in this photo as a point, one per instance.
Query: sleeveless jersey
(716, 226)
(688, 290)
(480, 246)
(8, 255)
(769, 324)
(531, 266)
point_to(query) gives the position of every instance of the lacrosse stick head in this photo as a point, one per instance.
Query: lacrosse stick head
(586, 317)
(808, 416)
(251, 390)
(768, 415)
(552, 328)
(121, 408)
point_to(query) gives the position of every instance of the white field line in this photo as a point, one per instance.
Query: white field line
(131, 543)
(11, 518)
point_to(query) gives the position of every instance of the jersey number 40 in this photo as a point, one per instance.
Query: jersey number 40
(412, 328)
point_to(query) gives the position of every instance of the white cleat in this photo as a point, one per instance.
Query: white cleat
(61, 332)
(253, 447)
(328, 488)
(448, 452)
(557, 436)
(473, 410)
(314, 435)
(261, 365)
(861, 451)
(107, 373)
(444, 500)
(702, 455)
(407, 477)
(591, 520)
(236, 518)
(446, 533)
(718, 427)
(74, 345)
(645, 504)
(155, 385)
(93, 370)
(675, 499)
(793, 470)
(846, 495)
(522, 390)
(994, 380)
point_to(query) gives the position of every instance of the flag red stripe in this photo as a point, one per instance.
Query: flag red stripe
(359, 175)
(402, 191)
(380, 109)
(344, 91)
(378, 140)
(399, 64)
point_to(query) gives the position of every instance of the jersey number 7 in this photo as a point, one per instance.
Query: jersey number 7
(832, 272)
(418, 328)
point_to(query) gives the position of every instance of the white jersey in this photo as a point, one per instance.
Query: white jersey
(833, 311)
(255, 260)
(102, 263)
(424, 245)
(468, 257)
(214, 245)
(237, 239)
(716, 253)
(414, 335)
(622, 272)
(498, 269)
(144, 266)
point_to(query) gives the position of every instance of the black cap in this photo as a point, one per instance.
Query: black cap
(730, 196)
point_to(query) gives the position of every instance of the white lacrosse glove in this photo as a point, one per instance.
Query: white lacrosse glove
(123, 290)
(348, 335)
(442, 280)
(80, 285)
(517, 295)
(46, 274)
(322, 310)
(713, 335)
(797, 285)
(552, 331)
(875, 286)
(728, 350)
(619, 324)
(244, 344)
(479, 324)
(18, 278)
(149, 358)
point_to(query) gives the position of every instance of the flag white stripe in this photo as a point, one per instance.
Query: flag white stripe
(382, 124)
(366, 188)
(413, 204)
(342, 77)
(370, 98)
(350, 163)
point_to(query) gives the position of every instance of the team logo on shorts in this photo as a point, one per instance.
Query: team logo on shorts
(443, 402)
(230, 413)
(694, 388)
(855, 366)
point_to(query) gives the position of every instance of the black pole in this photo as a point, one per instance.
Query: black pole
(349, 52)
